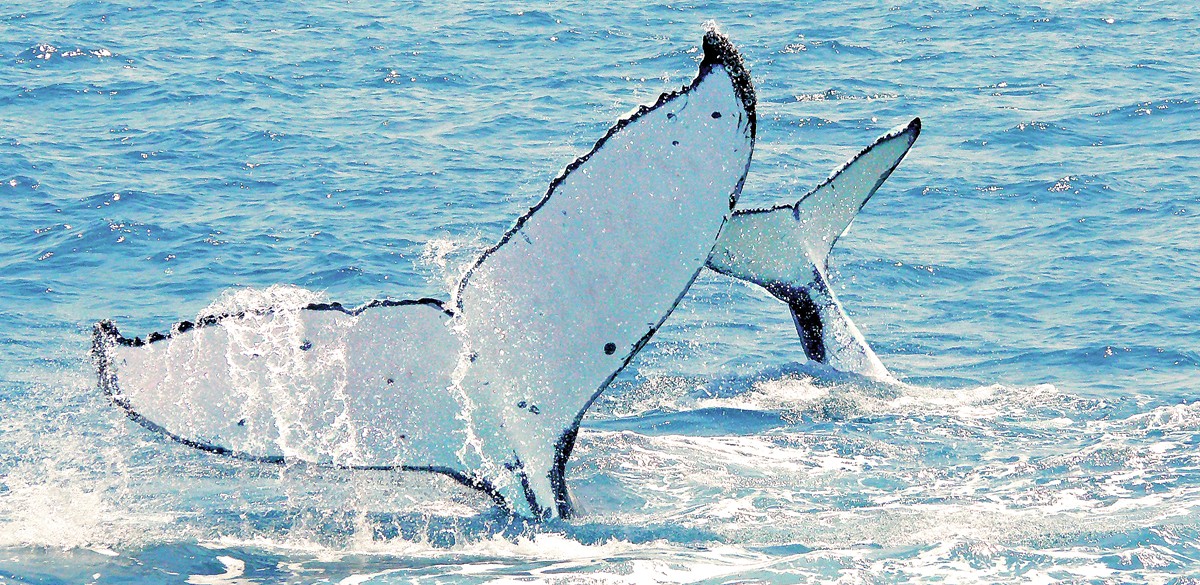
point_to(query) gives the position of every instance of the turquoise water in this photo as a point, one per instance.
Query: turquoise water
(1031, 271)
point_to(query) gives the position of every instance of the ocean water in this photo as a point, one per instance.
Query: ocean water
(1031, 273)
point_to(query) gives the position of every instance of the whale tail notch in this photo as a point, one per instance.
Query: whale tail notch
(785, 249)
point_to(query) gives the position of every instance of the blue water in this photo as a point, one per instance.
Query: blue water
(1031, 271)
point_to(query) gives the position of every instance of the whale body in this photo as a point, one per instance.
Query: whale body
(489, 388)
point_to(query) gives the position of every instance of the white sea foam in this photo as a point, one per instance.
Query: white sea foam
(280, 297)
(848, 396)
(71, 512)
(449, 259)
(234, 570)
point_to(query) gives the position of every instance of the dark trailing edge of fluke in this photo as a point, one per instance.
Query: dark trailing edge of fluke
(110, 329)
(719, 50)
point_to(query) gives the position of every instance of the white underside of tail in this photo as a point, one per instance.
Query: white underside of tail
(307, 385)
(491, 389)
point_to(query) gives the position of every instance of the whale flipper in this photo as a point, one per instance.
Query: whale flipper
(785, 249)
(490, 388)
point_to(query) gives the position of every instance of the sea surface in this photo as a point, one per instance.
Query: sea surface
(1031, 273)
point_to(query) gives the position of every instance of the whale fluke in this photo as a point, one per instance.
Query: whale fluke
(490, 387)
(785, 249)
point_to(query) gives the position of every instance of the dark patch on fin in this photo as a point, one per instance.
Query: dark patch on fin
(807, 316)
(719, 50)
(517, 467)
(558, 481)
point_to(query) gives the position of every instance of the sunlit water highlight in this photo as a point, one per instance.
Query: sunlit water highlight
(1031, 272)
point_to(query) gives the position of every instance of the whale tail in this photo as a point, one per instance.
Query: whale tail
(785, 249)
(490, 389)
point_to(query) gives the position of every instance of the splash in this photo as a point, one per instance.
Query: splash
(250, 300)
(278, 385)
(447, 258)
